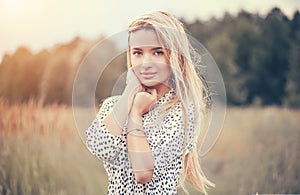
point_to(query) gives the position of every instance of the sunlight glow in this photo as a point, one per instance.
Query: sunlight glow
(38, 24)
(12, 3)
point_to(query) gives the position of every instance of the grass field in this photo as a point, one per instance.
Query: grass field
(41, 153)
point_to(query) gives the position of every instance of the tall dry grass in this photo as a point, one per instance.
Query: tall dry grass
(257, 151)
(41, 153)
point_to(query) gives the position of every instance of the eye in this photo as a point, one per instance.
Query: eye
(158, 53)
(136, 53)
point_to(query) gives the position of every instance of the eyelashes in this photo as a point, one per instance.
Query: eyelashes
(156, 53)
(159, 52)
(136, 53)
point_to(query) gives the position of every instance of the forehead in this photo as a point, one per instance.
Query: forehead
(144, 38)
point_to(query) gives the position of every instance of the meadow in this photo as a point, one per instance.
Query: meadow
(41, 153)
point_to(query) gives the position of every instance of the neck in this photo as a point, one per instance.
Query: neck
(161, 90)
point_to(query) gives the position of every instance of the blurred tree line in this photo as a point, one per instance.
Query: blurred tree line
(48, 76)
(258, 57)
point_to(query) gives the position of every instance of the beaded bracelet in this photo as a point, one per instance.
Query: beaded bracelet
(134, 170)
(139, 130)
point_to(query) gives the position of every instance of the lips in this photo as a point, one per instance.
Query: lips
(148, 75)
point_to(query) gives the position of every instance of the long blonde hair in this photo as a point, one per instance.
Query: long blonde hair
(188, 83)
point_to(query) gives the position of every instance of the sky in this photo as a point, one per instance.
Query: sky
(40, 24)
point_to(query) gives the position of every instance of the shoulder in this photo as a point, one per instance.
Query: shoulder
(180, 109)
(184, 108)
(106, 105)
(110, 101)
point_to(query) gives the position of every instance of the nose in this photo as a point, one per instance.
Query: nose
(147, 61)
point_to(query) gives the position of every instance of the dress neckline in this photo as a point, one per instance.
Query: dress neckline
(166, 97)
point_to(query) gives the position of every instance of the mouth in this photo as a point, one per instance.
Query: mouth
(148, 75)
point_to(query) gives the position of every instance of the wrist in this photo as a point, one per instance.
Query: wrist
(135, 113)
(134, 120)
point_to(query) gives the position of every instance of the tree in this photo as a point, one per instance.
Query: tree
(292, 98)
(269, 60)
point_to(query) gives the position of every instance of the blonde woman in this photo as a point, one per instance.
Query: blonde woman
(147, 137)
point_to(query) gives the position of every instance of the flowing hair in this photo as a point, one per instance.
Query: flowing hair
(188, 82)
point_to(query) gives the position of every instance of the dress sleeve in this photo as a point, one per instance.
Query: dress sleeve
(172, 142)
(101, 143)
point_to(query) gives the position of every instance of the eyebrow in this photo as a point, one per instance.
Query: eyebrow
(155, 48)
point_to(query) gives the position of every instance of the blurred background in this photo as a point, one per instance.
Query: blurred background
(42, 43)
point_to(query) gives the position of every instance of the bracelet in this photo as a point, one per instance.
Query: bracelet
(142, 170)
(139, 130)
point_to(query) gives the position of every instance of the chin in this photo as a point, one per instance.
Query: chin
(153, 84)
(150, 84)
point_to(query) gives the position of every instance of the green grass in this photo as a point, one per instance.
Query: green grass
(41, 153)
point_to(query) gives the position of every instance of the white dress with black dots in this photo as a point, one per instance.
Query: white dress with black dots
(166, 140)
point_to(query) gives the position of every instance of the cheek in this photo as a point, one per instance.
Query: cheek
(166, 70)
(133, 61)
(165, 60)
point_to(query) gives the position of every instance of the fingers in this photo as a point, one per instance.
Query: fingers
(144, 100)
(140, 88)
(133, 85)
(153, 92)
(148, 92)
(131, 76)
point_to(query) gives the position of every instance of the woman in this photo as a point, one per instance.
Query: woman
(147, 136)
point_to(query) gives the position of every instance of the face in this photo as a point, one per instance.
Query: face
(149, 59)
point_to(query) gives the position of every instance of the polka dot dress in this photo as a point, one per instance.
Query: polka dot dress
(166, 139)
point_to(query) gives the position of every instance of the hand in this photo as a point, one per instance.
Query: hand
(133, 86)
(123, 106)
(143, 101)
(132, 80)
